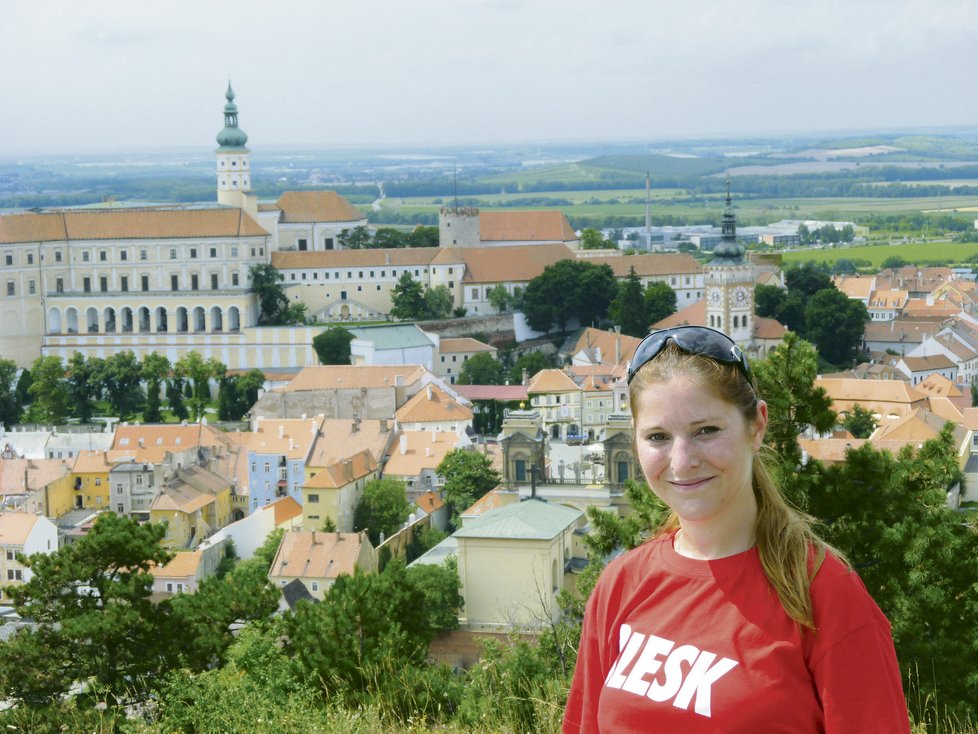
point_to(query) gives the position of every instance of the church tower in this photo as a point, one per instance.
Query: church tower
(233, 159)
(730, 285)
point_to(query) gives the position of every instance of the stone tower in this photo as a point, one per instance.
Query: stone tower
(730, 285)
(234, 161)
(458, 227)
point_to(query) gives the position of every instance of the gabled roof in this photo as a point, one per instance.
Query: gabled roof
(529, 520)
(165, 436)
(91, 462)
(315, 554)
(127, 224)
(833, 450)
(349, 377)
(962, 351)
(341, 438)
(492, 392)
(423, 450)
(393, 336)
(607, 347)
(430, 405)
(515, 264)
(855, 286)
(449, 345)
(649, 265)
(866, 391)
(901, 331)
(932, 362)
(946, 408)
(918, 425)
(551, 381)
(16, 527)
(533, 226)
(429, 502)
(317, 206)
(38, 472)
(938, 385)
(184, 564)
(343, 472)
(371, 258)
(289, 437)
(181, 497)
(888, 300)
(693, 315)
(285, 509)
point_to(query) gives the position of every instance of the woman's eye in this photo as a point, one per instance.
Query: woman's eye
(709, 430)
(656, 437)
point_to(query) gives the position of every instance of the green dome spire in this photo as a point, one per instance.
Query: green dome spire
(231, 136)
(729, 251)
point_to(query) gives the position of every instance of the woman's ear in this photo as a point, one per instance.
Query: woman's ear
(759, 425)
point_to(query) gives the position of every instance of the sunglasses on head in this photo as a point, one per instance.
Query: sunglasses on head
(700, 341)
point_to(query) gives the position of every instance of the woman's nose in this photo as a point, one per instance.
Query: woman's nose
(683, 455)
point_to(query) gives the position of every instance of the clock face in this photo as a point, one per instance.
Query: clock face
(715, 296)
(741, 295)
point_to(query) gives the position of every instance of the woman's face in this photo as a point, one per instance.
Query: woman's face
(697, 450)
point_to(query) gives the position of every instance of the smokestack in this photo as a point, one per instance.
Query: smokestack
(648, 209)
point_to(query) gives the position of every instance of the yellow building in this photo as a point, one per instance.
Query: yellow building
(90, 480)
(194, 503)
(39, 486)
(335, 492)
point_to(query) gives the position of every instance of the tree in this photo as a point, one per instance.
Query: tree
(237, 393)
(354, 239)
(532, 362)
(423, 236)
(592, 239)
(568, 289)
(628, 309)
(90, 602)
(49, 390)
(468, 476)
(768, 300)
(174, 397)
(200, 372)
(499, 297)
(808, 278)
(844, 266)
(123, 378)
(296, 313)
(333, 345)
(786, 380)
(85, 378)
(660, 301)
(860, 422)
(407, 298)
(383, 508)
(437, 302)
(154, 369)
(388, 237)
(10, 407)
(24, 387)
(272, 302)
(481, 369)
(893, 262)
(835, 324)
(439, 585)
(916, 557)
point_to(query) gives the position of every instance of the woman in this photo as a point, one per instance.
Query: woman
(734, 617)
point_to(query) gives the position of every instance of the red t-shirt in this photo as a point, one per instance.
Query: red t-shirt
(673, 644)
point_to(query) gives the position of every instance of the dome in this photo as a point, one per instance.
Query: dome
(231, 136)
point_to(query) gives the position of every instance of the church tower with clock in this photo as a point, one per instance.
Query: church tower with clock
(730, 285)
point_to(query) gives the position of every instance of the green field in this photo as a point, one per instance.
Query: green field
(914, 252)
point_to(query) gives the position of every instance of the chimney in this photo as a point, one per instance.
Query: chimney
(427, 452)
(291, 443)
(383, 425)
(403, 444)
(429, 392)
(356, 423)
(281, 431)
(525, 377)
(434, 436)
(142, 443)
(348, 470)
(303, 416)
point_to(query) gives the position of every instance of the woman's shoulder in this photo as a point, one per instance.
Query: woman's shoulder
(840, 598)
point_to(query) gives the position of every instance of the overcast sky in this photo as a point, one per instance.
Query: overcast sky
(127, 74)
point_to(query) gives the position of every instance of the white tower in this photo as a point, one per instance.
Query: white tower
(730, 285)
(233, 159)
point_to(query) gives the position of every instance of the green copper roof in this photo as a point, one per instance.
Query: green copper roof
(529, 520)
(399, 336)
(729, 251)
(231, 136)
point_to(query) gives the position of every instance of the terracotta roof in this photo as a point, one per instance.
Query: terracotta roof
(343, 472)
(970, 418)
(317, 554)
(317, 206)
(289, 437)
(39, 472)
(961, 350)
(448, 345)
(919, 307)
(347, 377)
(946, 408)
(855, 286)
(765, 328)
(429, 502)
(863, 391)
(492, 392)
(160, 436)
(650, 264)
(15, 527)
(533, 226)
(341, 438)
(610, 344)
(399, 257)
(891, 299)
(432, 404)
(424, 450)
(933, 362)
(833, 450)
(551, 381)
(90, 462)
(693, 315)
(918, 425)
(901, 330)
(517, 264)
(491, 500)
(285, 509)
(128, 224)
(184, 564)
(938, 385)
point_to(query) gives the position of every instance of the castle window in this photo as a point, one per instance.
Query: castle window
(193, 253)
(87, 285)
(30, 258)
(123, 255)
(213, 252)
(10, 288)
(59, 285)
(103, 255)
(85, 256)
(173, 253)
(31, 287)
(143, 254)
(57, 256)
(234, 279)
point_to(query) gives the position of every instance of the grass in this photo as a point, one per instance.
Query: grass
(914, 252)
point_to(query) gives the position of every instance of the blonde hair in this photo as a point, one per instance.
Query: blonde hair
(789, 550)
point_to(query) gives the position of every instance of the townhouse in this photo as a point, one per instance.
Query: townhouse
(22, 534)
(316, 559)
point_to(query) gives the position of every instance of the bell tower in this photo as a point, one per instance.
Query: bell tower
(730, 284)
(233, 159)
